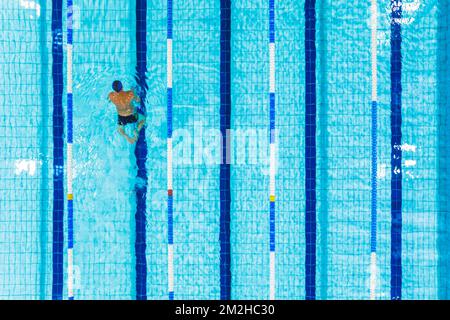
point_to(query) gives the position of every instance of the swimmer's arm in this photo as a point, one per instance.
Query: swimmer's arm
(136, 97)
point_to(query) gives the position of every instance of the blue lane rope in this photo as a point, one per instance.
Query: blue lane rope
(58, 151)
(225, 118)
(141, 153)
(169, 155)
(273, 144)
(396, 150)
(310, 148)
(70, 275)
(373, 228)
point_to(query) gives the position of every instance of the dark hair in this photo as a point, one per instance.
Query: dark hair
(117, 86)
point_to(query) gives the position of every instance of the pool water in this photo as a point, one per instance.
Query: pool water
(104, 164)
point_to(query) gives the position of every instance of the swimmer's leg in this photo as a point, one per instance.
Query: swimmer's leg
(128, 138)
(141, 124)
(138, 129)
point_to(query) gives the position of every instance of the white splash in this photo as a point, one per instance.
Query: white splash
(31, 5)
(25, 165)
(410, 163)
(411, 6)
(409, 147)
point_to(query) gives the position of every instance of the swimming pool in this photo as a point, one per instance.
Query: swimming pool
(293, 149)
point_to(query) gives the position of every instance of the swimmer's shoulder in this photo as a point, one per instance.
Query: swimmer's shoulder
(128, 95)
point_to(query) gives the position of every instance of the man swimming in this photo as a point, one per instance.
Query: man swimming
(123, 100)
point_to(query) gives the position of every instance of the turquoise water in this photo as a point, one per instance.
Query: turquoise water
(105, 165)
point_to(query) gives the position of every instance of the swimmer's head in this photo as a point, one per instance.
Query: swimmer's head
(117, 86)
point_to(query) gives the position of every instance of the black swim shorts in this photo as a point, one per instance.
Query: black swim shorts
(128, 119)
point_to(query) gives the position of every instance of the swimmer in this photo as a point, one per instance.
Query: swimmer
(127, 113)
